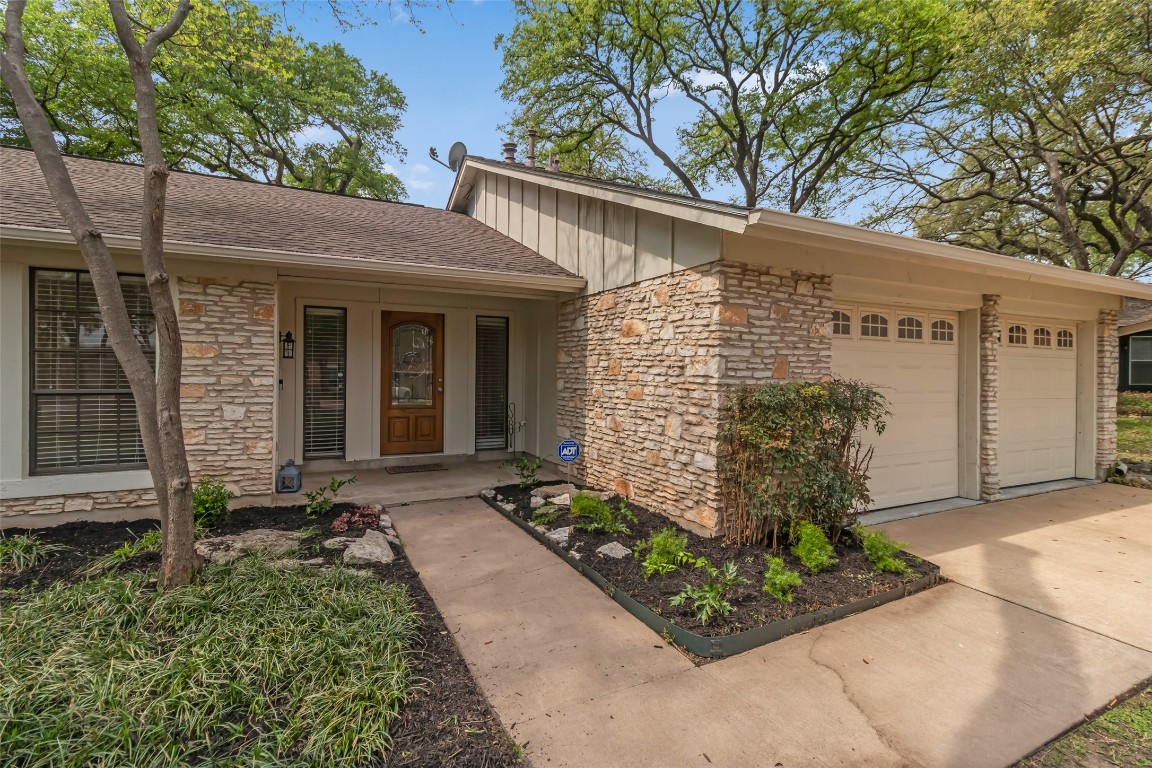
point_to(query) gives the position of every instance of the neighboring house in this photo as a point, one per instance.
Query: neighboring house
(1136, 346)
(613, 315)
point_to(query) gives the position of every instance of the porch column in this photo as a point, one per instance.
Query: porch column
(990, 398)
(1107, 373)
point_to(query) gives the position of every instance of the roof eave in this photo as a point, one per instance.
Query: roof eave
(1128, 330)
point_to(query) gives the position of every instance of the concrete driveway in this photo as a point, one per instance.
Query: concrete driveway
(956, 676)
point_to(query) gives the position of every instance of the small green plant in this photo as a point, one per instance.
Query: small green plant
(546, 515)
(779, 580)
(813, 549)
(152, 541)
(711, 599)
(319, 502)
(883, 551)
(18, 553)
(526, 469)
(600, 516)
(210, 503)
(667, 551)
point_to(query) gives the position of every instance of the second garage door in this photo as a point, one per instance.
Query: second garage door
(911, 357)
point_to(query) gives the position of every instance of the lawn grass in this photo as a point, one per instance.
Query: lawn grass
(1134, 403)
(1134, 438)
(252, 664)
(1121, 736)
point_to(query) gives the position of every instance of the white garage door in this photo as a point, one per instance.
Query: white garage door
(1037, 402)
(911, 357)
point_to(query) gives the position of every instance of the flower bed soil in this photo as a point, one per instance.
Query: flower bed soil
(849, 582)
(446, 720)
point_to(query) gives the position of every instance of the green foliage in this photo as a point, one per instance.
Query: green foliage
(319, 502)
(546, 515)
(238, 94)
(151, 541)
(18, 553)
(813, 548)
(210, 503)
(526, 469)
(1134, 404)
(667, 551)
(779, 580)
(792, 452)
(248, 665)
(600, 516)
(711, 599)
(883, 552)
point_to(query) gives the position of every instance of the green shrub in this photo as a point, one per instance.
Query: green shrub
(319, 502)
(526, 469)
(600, 516)
(546, 515)
(248, 665)
(882, 551)
(18, 553)
(210, 503)
(151, 541)
(667, 551)
(813, 548)
(779, 580)
(711, 599)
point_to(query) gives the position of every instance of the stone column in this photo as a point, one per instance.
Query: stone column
(990, 398)
(1107, 377)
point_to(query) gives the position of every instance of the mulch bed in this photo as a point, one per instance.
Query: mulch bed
(851, 580)
(447, 721)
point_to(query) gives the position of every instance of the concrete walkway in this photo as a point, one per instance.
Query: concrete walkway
(950, 677)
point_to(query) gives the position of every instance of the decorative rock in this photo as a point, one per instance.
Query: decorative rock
(614, 550)
(541, 528)
(507, 507)
(226, 549)
(537, 502)
(290, 564)
(392, 538)
(548, 491)
(488, 493)
(385, 521)
(562, 501)
(338, 542)
(369, 549)
(559, 536)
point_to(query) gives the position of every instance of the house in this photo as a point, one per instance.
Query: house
(1135, 346)
(564, 306)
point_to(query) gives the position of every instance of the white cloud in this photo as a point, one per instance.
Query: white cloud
(317, 133)
(420, 169)
(423, 185)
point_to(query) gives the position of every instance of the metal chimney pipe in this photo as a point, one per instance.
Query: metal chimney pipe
(510, 152)
(530, 160)
(553, 162)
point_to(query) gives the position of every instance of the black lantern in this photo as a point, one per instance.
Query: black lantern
(287, 346)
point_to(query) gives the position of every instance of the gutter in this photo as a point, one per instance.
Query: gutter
(282, 258)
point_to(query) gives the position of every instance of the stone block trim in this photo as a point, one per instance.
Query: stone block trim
(642, 370)
(990, 398)
(1107, 374)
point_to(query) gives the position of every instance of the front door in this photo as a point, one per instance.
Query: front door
(412, 419)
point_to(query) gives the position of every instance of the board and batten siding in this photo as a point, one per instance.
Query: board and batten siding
(608, 244)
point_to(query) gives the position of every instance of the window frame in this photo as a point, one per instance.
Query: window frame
(917, 326)
(1071, 336)
(951, 330)
(887, 326)
(1008, 335)
(508, 439)
(1043, 332)
(851, 324)
(34, 470)
(1132, 359)
(343, 310)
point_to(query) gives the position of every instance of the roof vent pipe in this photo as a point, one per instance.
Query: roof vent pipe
(530, 160)
(510, 152)
(553, 162)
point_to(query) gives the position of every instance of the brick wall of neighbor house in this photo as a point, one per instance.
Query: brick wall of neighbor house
(990, 398)
(226, 395)
(1107, 374)
(642, 369)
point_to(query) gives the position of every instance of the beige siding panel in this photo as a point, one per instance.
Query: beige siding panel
(490, 200)
(531, 237)
(653, 245)
(516, 210)
(694, 244)
(502, 204)
(567, 230)
(592, 243)
(548, 223)
(619, 245)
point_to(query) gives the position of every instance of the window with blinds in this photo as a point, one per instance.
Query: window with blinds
(325, 366)
(491, 383)
(83, 412)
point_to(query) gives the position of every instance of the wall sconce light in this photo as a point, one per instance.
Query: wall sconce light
(287, 346)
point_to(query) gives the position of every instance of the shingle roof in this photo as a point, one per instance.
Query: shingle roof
(1135, 312)
(209, 210)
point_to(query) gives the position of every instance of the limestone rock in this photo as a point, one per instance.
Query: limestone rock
(549, 491)
(614, 550)
(488, 493)
(339, 542)
(371, 548)
(385, 521)
(537, 502)
(562, 501)
(392, 538)
(560, 535)
(507, 507)
(226, 549)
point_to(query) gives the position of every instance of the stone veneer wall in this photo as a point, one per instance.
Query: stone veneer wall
(1107, 374)
(226, 395)
(642, 370)
(990, 398)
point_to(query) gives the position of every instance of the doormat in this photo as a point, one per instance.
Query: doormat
(415, 468)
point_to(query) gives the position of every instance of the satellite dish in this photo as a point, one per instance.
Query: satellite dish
(456, 155)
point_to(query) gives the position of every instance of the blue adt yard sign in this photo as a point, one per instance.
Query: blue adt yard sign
(568, 451)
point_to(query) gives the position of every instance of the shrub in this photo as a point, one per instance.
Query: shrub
(667, 551)
(813, 548)
(779, 580)
(546, 515)
(210, 503)
(792, 451)
(319, 502)
(361, 517)
(526, 469)
(18, 553)
(248, 665)
(711, 599)
(151, 541)
(600, 516)
(882, 551)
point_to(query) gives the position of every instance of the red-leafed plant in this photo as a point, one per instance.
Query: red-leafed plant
(361, 517)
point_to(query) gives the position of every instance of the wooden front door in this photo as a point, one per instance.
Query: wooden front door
(412, 412)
